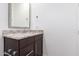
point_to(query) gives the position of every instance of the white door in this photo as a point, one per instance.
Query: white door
(59, 22)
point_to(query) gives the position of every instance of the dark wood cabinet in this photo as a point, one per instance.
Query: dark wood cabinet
(38, 45)
(30, 46)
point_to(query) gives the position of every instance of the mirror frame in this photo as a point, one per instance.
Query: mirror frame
(9, 18)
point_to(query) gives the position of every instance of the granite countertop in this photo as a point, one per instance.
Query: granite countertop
(20, 34)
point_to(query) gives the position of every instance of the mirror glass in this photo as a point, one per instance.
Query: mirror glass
(19, 15)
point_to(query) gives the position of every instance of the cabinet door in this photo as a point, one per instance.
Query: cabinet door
(39, 45)
(26, 41)
(10, 47)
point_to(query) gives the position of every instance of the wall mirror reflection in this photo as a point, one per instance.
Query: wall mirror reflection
(18, 15)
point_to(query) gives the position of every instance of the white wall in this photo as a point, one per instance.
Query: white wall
(3, 22)
(78, 29)
(59, 22)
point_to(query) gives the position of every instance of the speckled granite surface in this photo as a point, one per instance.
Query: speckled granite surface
(20, 34)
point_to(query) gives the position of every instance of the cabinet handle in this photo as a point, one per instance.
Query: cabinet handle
(14, 53)
(9, 50)
(7, 54)
(30, 53)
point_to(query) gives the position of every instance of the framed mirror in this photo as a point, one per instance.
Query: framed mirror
(18, 15)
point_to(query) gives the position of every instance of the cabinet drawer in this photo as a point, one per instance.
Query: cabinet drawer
(10, 43)
(29, 50)
(26, 41)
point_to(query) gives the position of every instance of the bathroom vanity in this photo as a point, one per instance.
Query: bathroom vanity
(23, 43)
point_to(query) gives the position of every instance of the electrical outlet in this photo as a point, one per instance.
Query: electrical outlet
(37, 17)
